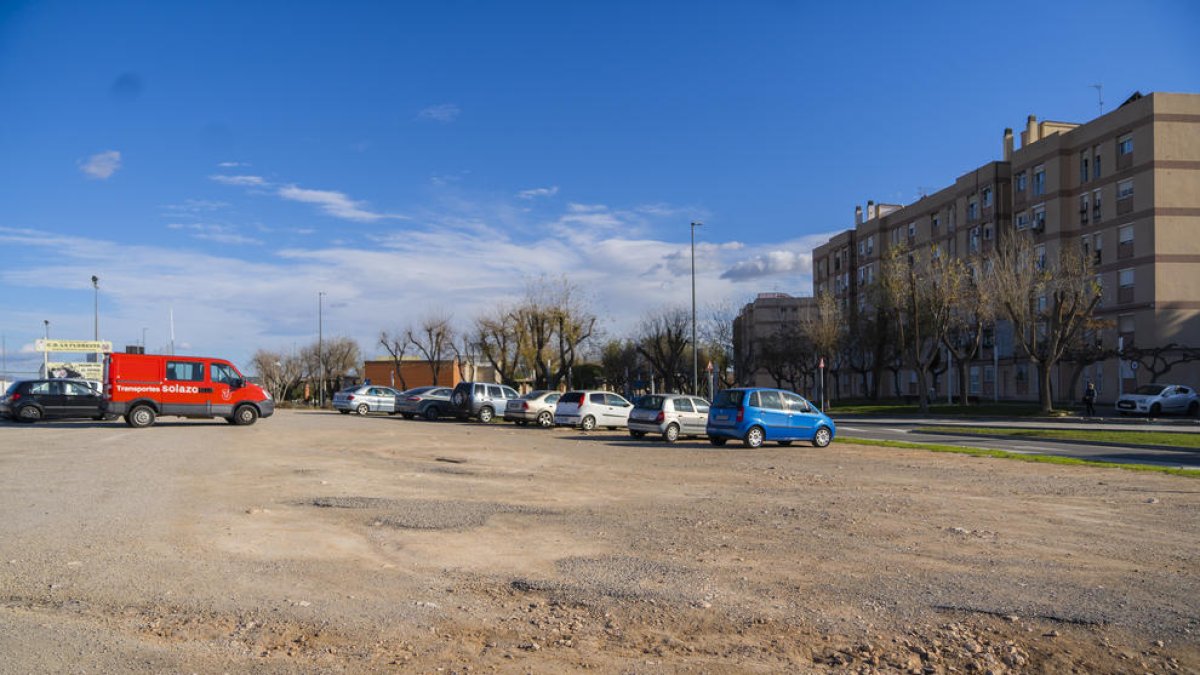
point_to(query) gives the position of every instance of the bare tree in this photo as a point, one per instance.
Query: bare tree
(501, 338)
(663, 338)
(716, 334)
(279, 373)
(1048, 301)
(433, 340)
(574, 326)
(922, 310)
(336, 358)
(972, 312)
(396, 344)
(823, 328)
(1159, 361)
(620, 363)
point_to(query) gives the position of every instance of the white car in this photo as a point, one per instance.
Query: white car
(1160, 399)
(367, 398)
(590, 409)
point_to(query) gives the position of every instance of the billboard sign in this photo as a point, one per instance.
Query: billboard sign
(85, 346)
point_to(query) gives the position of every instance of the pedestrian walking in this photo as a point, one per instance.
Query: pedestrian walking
(1089, 398)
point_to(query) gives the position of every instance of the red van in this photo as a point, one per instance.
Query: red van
(143, 386)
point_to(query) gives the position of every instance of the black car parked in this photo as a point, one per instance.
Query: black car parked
(33, 400)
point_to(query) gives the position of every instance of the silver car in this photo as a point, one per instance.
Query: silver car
(366, 398)
(536, 406)
(427, 402)
(669, 415)
(1160, 399)
(590, 409)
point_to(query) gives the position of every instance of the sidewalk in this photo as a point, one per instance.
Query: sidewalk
(1173, 424)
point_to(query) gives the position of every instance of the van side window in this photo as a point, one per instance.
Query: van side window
(509, 392)
(494, 391)
(185, 371)
(770, 400)
(219, 372)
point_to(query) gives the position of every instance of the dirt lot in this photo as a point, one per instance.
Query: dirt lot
(316, 542)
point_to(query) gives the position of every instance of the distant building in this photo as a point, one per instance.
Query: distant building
(763, 319)
(1125, 187)
(414, 371)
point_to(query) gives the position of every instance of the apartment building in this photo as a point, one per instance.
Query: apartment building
(1125, 187)
(763, 319)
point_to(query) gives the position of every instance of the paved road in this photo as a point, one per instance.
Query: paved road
(904, 430)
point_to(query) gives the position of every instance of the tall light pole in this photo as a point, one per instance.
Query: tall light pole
(320, 347)
(46, 353)
(143, 339)
(96, 308)
(695, 348)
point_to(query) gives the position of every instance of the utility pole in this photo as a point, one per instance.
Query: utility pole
(1099, 95)
(321, 348)
(695, 347)
(96, 308)
(46, 354)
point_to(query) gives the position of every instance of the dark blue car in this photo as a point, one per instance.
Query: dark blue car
(755, 415)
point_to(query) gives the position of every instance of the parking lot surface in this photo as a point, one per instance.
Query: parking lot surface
(314, 541)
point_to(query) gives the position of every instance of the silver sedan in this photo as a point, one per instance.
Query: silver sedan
(536, 407)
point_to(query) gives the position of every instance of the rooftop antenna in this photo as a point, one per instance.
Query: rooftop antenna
(923, 191)
(1099, 95)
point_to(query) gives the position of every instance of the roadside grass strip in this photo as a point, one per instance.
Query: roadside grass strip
(1023, 457)
(938, 409)
(1126, 438)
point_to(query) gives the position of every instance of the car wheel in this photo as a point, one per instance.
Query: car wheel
(754, 437)
(30, 414)
(717, 441)
(140, 417)
(245, 416)
(1194, 408)
(785, 443)
(1155, 410)
(672, 433)
(432, 413)
(545, 419)
(637, 434)
(363, 409)
(822, 437)
(588, 423)
(486, 414)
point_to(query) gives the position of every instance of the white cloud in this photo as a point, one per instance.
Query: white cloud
(101, 165)
(533, 193)
(336, 204)
(771, 263)
(244, 181)
(194, 206)
(232, 165)
(221, 234)
(444, 113)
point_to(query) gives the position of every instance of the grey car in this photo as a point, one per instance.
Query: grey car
(536, 407)
(1160, 399)
(480, 400)
(669, 415)
(426, 402)
(366, 398)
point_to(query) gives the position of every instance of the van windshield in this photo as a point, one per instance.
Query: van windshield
(729, 398)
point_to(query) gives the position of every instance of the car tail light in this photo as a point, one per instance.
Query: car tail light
(413, 398)
(350, 397)
(525, 405)
(661, 417)
(15, 397)
(741, 414)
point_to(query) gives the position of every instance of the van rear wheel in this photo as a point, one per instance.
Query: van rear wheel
(245, 416)
(140, 417)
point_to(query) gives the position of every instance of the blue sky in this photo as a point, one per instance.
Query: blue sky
(229, 160)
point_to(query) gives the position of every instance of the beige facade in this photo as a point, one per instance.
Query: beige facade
(763, 319)
(1125, 187)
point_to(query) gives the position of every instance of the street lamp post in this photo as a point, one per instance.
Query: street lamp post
(695, 348)
(46, 352)
(321, 348)
(96, 308)
(143, 339)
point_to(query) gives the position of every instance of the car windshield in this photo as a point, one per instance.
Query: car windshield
(651, 402)
(1150, 389)
(729, 398)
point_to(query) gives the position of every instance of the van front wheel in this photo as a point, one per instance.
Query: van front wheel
(245, 416)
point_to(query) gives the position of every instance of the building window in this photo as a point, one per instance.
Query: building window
(1039, 180)
(987, 197)
(974, 380)
(1020, 182)
(1125, 242)
(1039, 218)
(912, 231)
(870, 244)
(862, 247)
(1039, 256)
(1084, 171)
(934, 222)
(972, 209)
(987, 232)
(1098, 247)
(1125, 189)
(973, 240)
(1096, 163)
(1099, 279)
(1125, 331)
(1096, 206)
(1125, 145)
(1022, 220)
(1125, 286)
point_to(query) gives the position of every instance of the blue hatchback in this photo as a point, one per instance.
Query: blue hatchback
(754, 415)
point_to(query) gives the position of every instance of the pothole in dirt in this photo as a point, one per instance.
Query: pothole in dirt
(428, 514)
(623, 577)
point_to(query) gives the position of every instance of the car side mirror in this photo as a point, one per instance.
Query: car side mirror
(237, 383)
